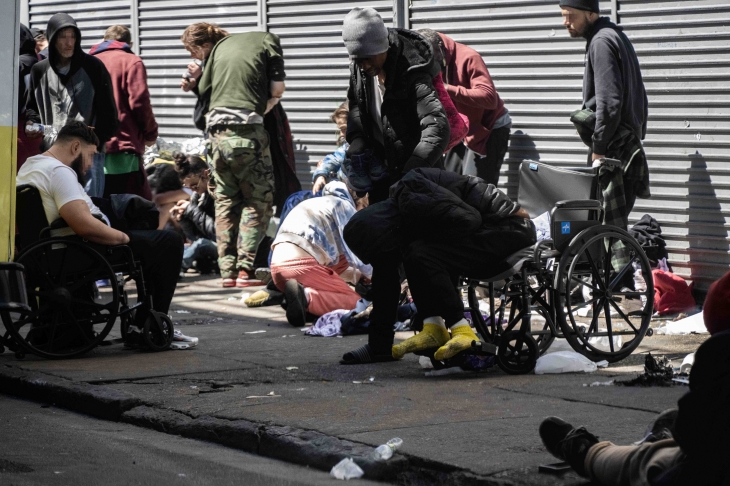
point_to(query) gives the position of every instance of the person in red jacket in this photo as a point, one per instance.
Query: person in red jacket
(471, 89)
(123, 168)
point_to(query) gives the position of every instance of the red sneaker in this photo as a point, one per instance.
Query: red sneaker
(246, 279)
(229, 282)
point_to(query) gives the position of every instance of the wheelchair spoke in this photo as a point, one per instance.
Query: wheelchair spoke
(623, 316)
(607, 264)
(579, 281)
(52, 337)
(596, 273)
(596, 311)
(609, 327)
(76, 323)
(93, 305)
(620, 276)
(39, 268)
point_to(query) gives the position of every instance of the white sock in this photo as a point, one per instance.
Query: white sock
(435, 320)
(462, 322)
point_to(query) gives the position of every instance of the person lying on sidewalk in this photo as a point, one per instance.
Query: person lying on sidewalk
(309, 254)
(442, 225)
(696, 450)
(196, 215)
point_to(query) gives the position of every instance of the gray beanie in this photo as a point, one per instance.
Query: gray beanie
(364, 33)
(589, 5)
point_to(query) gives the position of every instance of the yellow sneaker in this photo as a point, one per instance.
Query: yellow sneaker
(461, 338)
(432, 336)
(257, 299)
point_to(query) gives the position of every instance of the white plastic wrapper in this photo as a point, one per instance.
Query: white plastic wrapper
(346, 469)
(564, 362)
(542, 226)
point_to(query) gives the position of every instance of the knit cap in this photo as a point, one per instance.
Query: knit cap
(364, 33)
(588, 5)
(716, 311)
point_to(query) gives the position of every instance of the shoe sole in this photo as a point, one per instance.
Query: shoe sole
(296, 313)
(249, 283)
(182, 345)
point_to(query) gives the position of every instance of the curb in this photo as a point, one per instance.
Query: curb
(289, 444)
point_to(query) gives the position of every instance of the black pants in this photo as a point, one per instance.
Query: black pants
(433, 266)
(160, 253)
(462, 160)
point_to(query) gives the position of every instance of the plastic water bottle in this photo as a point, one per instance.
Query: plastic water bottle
(385, 451)
(45, 130)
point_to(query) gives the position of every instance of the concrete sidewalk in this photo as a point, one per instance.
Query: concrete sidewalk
(470, 428)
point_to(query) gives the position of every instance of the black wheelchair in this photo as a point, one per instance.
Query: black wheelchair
(570, 286)
(61, 312)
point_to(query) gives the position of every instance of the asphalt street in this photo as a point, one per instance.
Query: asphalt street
(45, 445)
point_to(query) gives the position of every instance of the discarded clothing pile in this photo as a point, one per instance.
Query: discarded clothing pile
(649, 235)
(657, 372)
(347, 323)
(672, 295)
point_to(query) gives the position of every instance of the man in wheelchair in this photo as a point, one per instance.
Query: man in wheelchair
(59, 174)
(441, 226)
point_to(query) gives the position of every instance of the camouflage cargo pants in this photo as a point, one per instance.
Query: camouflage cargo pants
(244, 194)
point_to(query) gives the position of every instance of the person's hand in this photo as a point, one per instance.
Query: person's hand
(177, 211)
(596, 157)
(520, 213)
(31, 134)
(188, 84)
(271, 104)
(195, 70)
(319, 184)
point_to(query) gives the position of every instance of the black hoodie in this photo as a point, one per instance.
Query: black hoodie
(84, 93)
(415, 127)
(27, 60)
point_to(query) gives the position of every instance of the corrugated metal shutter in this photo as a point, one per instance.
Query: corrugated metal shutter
(685, 55)
(92, 16)
(317, 70)
(161, 23)
(536, 67)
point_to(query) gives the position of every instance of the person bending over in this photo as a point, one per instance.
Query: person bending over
(396, 123)
(59, 174)
(310, 254)
(442, 225)
(196, 215)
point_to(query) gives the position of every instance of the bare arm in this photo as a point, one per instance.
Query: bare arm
(276, 88)
(79, 218)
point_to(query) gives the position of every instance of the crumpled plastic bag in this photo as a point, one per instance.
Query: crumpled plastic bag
(346, 469)
(542, 226)
(564, 362)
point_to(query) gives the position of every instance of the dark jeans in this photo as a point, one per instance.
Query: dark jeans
(463, 160)
(433, 266)
(385, 286)
(160, 253)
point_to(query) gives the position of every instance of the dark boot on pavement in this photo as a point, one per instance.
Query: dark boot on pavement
(567, 443)
(296, 303)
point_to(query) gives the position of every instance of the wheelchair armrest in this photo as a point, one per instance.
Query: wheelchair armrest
(57, 224)
(585, 204)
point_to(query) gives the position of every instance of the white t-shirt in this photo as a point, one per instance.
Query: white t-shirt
(57, 184)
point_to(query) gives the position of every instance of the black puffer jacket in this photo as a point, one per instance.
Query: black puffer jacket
(430, 202)
(198, 218)
(415, 127)
(27, 60)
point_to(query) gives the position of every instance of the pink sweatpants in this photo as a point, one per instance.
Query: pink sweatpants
(326, 290)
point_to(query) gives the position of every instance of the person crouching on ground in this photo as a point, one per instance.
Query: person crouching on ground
(310, 254)
(196, 215)
(443, 225)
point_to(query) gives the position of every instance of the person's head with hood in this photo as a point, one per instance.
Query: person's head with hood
(27, 42)
(366, 39)
(41, 42)
(64, 40)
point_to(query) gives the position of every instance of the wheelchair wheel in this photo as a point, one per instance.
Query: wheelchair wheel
(69, 315)
(158, 331)
(517, 353)
(611, 320)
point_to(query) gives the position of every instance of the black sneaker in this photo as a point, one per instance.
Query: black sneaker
(567, 443)
(296, 303)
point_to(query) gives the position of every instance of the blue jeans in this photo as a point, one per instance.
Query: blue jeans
(95, 177)
(200, 249)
